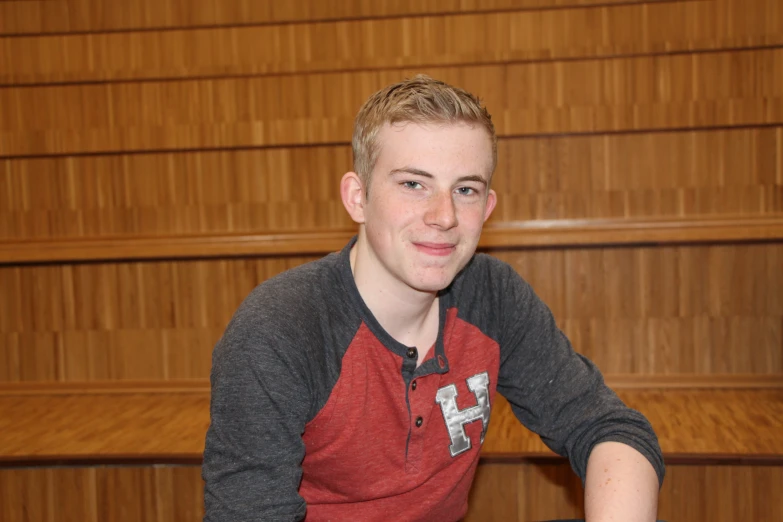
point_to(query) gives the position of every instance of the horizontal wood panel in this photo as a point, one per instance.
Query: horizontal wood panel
(164, 427)
(623, 94)
(673, 175)
(501, 493)
(542, 234)
(382, 44)
(633, 310)
(68, 16)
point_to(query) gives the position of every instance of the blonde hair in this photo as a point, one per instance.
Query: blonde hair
(421, 100)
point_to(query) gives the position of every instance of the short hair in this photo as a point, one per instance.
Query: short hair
(421, 100)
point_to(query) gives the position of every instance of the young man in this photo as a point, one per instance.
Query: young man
(360, 386)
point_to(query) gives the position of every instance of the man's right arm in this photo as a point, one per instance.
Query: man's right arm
(253, 452)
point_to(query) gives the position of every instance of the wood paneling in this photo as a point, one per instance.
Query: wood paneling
(707, 425)
(502, 493)
(623, 94)
(706, 309)
(383, 44)
(121, 321)
(540, 233)
(69, 16)
(735, 172)
(116, 494)
(653, 309)
(689, 493)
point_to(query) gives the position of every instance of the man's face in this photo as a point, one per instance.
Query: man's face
(427, 202)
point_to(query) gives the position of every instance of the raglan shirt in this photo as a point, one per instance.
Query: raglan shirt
(317, 413)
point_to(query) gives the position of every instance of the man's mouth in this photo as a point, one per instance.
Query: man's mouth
(435, 249)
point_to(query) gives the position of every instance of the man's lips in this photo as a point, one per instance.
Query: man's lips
(435, 249)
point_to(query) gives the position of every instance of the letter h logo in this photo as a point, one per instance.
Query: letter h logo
(456, 419)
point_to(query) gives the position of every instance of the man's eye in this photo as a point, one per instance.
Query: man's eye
(466, 191)
(411, 184)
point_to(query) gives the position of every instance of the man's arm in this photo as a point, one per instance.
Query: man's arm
(621, 485)
(260, 403)
(561, 395)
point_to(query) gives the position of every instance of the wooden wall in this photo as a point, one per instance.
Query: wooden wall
(159, 158)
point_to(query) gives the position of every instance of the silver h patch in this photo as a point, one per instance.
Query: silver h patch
(456, 419)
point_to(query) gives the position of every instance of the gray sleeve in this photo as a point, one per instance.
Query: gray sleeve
(558, 393)
(259, 406)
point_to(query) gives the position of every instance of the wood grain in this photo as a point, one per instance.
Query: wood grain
(622, 94)
(717, 174)
(689, 493)
(692, 425)
(98, 494)
(644, 310)
(501, 492)
(355, 45)
(703, 424)
(74, 16)
(513, 235)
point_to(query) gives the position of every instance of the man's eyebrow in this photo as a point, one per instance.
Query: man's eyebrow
(411, 170)
(475, 178)
(425, 174)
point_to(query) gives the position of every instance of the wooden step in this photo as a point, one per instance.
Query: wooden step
(168, 425)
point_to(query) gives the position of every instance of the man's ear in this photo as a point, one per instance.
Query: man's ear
(352, 193)
(492, 200)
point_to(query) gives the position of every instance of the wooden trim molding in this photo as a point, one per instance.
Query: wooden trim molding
(526, 234)
(201, 386)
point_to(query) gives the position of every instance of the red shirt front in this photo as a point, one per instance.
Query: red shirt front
(367, 448)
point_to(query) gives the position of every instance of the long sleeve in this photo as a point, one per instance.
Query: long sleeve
(558, 393)
(260, 404)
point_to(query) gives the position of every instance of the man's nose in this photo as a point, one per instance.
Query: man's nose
(441, 211)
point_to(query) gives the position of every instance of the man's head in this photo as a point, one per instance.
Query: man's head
(428, 152)
(421, 100)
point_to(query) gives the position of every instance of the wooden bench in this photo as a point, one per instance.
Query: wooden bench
(166, 423)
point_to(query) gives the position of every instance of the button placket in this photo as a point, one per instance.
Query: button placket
(422, 412)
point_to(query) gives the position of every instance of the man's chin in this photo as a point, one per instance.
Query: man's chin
(432, 285)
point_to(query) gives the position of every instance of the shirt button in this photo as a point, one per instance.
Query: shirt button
(419, 422)
(413, 385)
(412, 353)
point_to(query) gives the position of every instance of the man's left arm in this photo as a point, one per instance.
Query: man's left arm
(621, 485)
(561, 395)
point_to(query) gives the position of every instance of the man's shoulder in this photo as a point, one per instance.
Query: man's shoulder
(301, 284)
(487, 272)
(489, 288)
(292, 303)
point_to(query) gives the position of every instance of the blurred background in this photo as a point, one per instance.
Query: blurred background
(160, 158)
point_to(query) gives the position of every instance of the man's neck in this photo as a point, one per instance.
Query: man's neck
(408, 315)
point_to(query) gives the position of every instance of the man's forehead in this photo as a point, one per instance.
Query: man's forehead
(464, 136)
